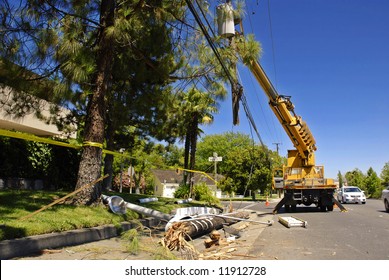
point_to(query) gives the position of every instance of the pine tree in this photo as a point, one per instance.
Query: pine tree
(84, 47)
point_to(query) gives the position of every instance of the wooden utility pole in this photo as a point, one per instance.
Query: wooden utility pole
(277, 147)
(193, 228)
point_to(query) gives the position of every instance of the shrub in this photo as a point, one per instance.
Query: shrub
(182, 191)
(201, 192)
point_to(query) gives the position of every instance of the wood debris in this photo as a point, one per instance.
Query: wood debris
(50, 251)
(179, 235)
(213, 240)
(176, 239)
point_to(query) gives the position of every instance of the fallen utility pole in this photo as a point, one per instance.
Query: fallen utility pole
(119, 206)
(180, 232)
(196, 227)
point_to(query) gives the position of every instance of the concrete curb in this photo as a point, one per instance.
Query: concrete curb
(34, 244)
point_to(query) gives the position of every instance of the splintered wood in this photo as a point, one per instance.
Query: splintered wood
(178, 235)
(176, 239)
(192, 228)
(213, 240)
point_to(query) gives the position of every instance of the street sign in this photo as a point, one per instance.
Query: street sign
(215, 159)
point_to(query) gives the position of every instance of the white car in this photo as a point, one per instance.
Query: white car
(385, 198)
(350, 194)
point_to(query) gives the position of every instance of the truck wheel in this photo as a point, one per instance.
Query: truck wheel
(386, 205)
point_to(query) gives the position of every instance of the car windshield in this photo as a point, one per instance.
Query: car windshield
(352, 190)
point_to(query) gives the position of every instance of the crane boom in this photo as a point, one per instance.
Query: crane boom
(302, 181)
(283, 108)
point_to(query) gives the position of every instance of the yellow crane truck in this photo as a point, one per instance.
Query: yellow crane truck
(301, 179)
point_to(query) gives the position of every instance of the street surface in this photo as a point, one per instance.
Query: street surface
(362, 233)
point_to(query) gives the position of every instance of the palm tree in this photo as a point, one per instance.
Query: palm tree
(197, 108)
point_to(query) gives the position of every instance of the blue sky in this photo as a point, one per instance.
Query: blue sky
(332, 57)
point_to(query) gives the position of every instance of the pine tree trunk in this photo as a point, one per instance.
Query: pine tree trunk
(91, 158)
(193, 140)
(108, 159)
(193, 126)
(187, 149)
(108, 169)
(186, 154)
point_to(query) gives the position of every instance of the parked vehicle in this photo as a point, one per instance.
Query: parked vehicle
(351, 194)
(385, 198)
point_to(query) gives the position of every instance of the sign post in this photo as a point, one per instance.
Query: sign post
(215, 159)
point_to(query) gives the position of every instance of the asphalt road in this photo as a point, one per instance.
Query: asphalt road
(361, 233)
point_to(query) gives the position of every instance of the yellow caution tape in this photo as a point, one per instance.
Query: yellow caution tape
(92, 144)
(34, 138)
(29, 137)
(116, 153)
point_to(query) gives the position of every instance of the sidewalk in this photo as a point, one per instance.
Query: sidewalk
(33, 245)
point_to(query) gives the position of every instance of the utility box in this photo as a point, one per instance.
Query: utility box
(225, 20)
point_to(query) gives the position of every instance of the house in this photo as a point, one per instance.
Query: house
(168, 181)
(28, 121)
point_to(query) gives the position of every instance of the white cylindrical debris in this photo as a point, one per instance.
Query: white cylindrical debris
(183, 201)
(147, 199)
(148, 212)
(119, 206)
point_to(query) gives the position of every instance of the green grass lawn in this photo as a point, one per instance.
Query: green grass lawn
(16, 204)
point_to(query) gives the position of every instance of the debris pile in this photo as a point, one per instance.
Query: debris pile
(187, 224)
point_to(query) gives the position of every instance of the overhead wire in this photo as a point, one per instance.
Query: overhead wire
(230, 78)
(210, 42)
(205, 18)
(227, 72)
(273, 133)
(272, 43)
(273, 57)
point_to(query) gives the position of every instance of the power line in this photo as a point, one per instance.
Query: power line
(234, 83)
(210, 42)
(272, 41)
(206, 20)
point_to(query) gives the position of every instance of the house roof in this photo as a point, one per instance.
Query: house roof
(171, 176)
